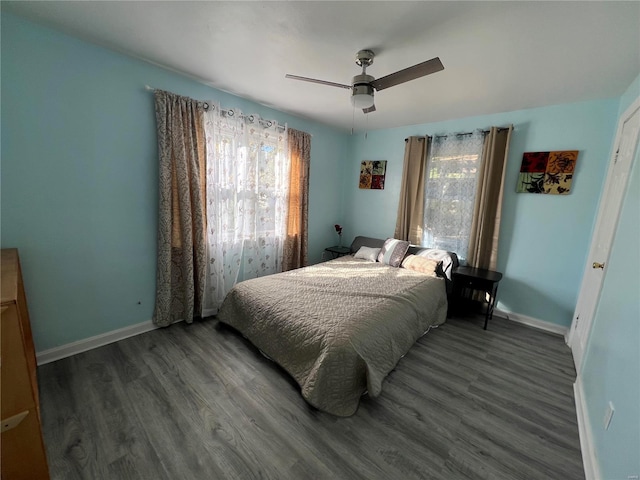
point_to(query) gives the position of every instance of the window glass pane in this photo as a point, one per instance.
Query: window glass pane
(450, 189)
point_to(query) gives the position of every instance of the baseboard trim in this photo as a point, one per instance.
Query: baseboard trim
(589, 460)
(73, 348)
(533, 322)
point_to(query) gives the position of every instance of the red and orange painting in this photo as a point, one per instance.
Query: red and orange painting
(547, 172)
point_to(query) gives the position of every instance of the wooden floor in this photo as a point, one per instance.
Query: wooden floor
(199, 402)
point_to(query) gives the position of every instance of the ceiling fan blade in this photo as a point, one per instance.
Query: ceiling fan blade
(372, 108)
(321, 82)
(420, 70)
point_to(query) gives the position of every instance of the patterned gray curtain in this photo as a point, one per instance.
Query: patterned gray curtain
(295, 244)
(180, 277)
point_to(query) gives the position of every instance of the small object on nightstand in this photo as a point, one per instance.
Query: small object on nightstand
(338, 251)
(467, 280)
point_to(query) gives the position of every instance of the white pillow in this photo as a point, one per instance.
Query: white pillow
(367, 253)
(420, 264)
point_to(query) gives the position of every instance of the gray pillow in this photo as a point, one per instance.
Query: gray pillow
(393, 252)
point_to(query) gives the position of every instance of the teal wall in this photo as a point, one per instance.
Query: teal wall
(611, 369)
(544, 239)
(79, 193)
(79, 178)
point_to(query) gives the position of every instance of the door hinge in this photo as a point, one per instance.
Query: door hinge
(615, 159)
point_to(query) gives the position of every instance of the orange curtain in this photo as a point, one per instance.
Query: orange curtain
(295, 244)
(410, 220)
(180, 276)
(485, 229)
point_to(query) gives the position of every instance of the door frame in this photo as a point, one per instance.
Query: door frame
(578, 353)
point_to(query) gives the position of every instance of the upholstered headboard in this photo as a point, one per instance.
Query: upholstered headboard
(365, 242)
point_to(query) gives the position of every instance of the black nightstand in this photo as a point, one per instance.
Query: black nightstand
(467, 280)
(338, 251)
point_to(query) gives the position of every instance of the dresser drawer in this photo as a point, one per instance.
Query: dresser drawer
(22, 453)
(475, 283)
(17, 394)
(22, 450)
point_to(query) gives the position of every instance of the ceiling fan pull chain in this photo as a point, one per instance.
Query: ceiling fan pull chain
(366, 127)
(353, 118)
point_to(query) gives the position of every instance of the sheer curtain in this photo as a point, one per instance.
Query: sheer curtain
(247, 182)
(450, 189)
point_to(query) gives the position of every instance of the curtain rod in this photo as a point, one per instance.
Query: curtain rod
(231, 112)
(457, 134)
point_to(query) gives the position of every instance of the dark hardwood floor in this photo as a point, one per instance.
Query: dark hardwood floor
(200, 402)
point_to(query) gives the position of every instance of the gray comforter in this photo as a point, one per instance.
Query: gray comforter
(338, 327)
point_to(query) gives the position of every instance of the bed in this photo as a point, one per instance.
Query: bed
(339, 327)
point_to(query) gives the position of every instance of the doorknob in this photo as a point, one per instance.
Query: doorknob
(598, 265)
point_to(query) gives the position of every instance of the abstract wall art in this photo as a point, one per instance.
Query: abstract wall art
(547, 172)
(372, 173)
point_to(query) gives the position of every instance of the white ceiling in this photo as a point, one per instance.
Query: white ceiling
(498, 56)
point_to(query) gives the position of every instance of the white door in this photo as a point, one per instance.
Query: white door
(608, 213)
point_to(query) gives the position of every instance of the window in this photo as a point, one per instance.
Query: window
(450, 189)
(247, 184)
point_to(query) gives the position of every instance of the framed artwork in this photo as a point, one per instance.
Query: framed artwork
(547, 172)
(372, 173)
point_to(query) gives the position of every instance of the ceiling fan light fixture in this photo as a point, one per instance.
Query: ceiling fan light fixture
(362, 95)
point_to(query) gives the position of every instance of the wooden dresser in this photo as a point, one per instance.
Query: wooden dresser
(22, 448)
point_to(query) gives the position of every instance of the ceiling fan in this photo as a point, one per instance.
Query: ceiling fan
(363, 85)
